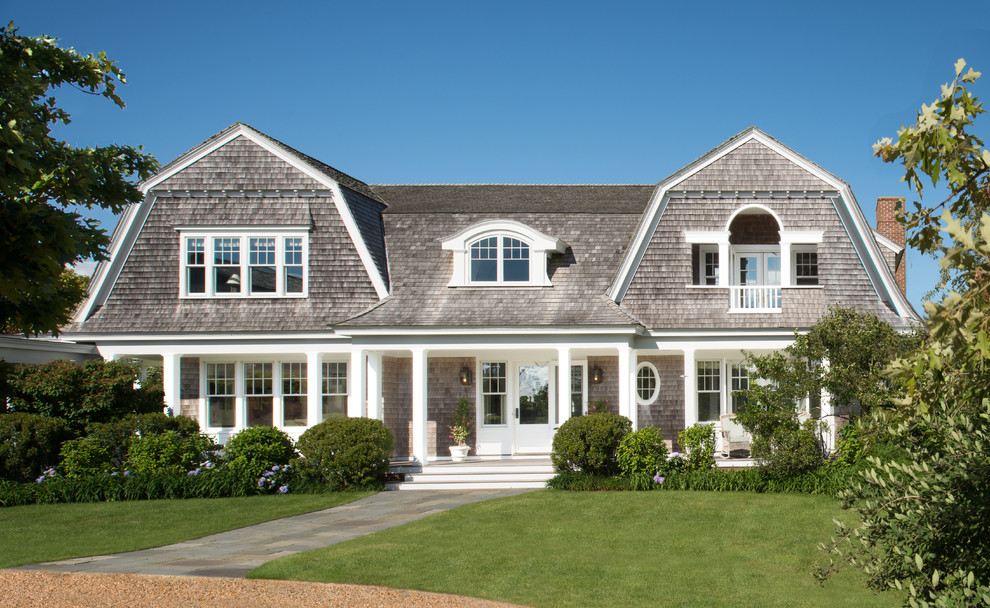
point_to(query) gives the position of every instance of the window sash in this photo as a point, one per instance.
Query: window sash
(709, 390)
(493, 393)
(499, 259)
(806, 267)
(264, 266)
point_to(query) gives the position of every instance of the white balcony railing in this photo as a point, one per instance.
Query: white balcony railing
(748, 298)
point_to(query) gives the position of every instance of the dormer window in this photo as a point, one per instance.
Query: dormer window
(501, 253)
(499, 260)
(246, 262)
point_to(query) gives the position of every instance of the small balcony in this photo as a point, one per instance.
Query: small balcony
(754, 298)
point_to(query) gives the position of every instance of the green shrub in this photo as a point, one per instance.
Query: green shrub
(346, 452)
(167, 452)
(257, 449)
(106, 445)
(85, 457)
(29, 444)
(590, 443)
(699, 442)
(789, 451)
(849, 446)
(642, 452)
(96, 391)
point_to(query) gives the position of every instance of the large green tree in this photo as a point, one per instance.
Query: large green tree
(47, 185)
(926, 516)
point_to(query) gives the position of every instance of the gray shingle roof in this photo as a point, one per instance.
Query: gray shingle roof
(515, 198)
(421, 270)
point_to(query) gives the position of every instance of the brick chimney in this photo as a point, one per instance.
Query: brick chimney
(888, 226)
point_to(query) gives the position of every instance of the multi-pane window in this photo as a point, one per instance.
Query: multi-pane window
(499, 260)
(709, 390)
(259, 398)
(293, 265)
(195, 266)
(261, 265)
(493, 395)
(334, 389)
(738, 381)
(220, 400)
(230, 265)
(806, 268)
(226, 265)
(294, 394)
(515, 263)
(647, 383)
(577, 390)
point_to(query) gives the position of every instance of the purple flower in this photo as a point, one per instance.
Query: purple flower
(40, 479)
(261, 482)
(659, 478)
(283, 489)
(127, 473)
(275, 468)
(193, 472)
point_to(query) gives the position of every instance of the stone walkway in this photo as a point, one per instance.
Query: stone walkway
(237, 552)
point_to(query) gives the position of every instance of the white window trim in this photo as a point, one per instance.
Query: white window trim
(243, 234)
(703, 250)
(795, 250)
(540, 248)
(480, 409)
(656, 388)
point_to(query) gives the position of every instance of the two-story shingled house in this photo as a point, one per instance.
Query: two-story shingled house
(276, 290)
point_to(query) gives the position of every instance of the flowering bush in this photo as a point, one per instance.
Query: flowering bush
(463, 414)
(276, 479)
(257, 449)
(29, 444)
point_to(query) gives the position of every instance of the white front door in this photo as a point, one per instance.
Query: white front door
(535, 413)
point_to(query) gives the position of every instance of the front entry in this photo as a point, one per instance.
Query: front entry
(536, 410)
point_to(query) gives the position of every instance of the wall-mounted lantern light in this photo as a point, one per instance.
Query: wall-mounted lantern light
(465, 375)
(596, 375)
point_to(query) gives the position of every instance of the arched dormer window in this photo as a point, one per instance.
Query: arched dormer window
(501, 253)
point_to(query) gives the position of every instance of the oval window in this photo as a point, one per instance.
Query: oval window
(647, 383)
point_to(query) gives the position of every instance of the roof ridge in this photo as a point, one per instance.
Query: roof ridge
(509, 184)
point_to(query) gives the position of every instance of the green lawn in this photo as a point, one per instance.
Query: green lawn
(41, 533)
(589, 549)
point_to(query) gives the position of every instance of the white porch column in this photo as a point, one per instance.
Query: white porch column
(828, 414)
(724, 264)
(690, 388)
(314, 390)
(375, 386)
(627, 376)
(785, 262)
(172, 378)
(420, 440)
(356, 385)
(563, 383)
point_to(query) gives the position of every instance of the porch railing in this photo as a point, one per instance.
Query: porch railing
(748, 298)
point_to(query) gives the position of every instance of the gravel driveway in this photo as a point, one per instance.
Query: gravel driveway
(29, 589)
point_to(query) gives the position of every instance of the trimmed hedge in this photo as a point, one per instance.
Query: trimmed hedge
(642, 452)
(29, 444)
(345, 453)
(257, 449)
(590, 443)
(826, 480)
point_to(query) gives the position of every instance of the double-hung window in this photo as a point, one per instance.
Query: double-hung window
(709, 390)
(805, 264)
(294, 394)
(334, 389)
(220, 395)
(739, 381)
(493, 395)
(259, 398)
(258, 263)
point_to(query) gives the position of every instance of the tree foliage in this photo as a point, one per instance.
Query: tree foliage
(926, 519)
(844, 355)
(940, 146)
(45, 183)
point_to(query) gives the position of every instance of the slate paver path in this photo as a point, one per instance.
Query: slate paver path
(237, 552)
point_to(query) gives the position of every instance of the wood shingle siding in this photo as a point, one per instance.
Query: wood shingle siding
(240, 164)
(145, 299)
(661, 295)
(752, 166)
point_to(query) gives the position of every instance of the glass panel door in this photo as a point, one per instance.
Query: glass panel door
(536, 409)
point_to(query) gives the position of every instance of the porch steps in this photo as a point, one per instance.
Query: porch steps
(475, 474)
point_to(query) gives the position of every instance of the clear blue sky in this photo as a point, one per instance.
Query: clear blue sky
(523, 92)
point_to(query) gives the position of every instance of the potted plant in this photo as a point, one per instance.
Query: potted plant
(460, 430)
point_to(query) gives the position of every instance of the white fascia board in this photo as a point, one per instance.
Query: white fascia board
(241, 228)
(205, 337)
(362, 248)
(715, 344)
(107, 272)
(725, 333)
(799, 237)
(706, 236)
(486, 331)
(46, 344)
